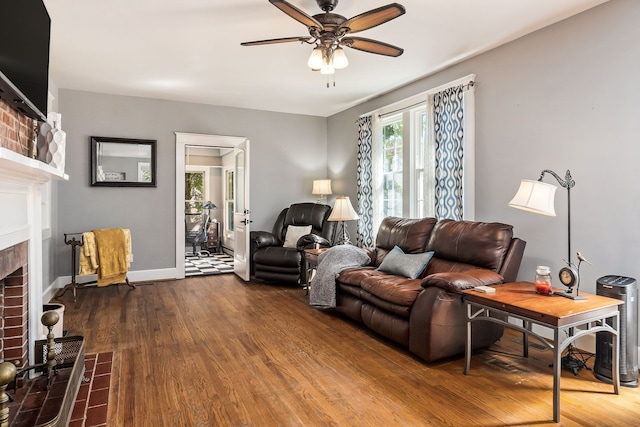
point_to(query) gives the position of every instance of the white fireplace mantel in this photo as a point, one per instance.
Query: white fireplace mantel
(21, 169)
(22, 187)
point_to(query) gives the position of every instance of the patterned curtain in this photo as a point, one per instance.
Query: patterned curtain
(365, 236)
(448, 131)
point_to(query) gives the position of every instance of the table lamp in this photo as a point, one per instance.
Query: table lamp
(208, 206)
(321, 187)
(343, 211)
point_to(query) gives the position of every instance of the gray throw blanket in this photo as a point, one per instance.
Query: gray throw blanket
(330, 264)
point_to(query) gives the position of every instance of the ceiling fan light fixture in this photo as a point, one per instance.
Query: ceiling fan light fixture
(327, 61)
(327, 69)
(315, 60)
(340, 60)
(330, 32)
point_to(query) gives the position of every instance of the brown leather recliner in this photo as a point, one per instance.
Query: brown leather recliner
(273, 262)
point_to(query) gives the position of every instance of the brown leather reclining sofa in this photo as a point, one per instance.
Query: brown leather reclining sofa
(426, 315)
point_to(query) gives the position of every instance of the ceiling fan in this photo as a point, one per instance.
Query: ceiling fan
(329, 32)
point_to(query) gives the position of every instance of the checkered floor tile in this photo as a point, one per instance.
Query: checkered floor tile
(214, 264)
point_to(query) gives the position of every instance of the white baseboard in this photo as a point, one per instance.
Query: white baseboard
(133, 276)
(147, 275)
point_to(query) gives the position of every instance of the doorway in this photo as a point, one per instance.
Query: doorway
(212, 163)
(209, 236)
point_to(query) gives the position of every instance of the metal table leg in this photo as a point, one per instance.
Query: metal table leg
(557, 372)
(467, 343)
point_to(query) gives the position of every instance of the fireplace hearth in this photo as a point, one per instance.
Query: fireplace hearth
(48, 400)
(45, 400)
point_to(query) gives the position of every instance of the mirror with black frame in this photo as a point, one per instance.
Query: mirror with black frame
(122, 162)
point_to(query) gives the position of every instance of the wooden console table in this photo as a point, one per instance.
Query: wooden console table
(575, 318)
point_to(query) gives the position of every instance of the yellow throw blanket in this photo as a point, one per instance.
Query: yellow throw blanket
(88, 256)
(108, 253)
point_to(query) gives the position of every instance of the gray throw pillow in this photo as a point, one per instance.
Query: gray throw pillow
(295, 232)
(407, 265)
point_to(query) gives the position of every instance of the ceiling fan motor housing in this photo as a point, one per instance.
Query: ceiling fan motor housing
(330, 21)
(327, 5)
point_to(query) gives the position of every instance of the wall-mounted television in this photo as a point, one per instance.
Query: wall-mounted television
(24, 56)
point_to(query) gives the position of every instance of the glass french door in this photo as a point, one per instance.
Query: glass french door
(241, 216)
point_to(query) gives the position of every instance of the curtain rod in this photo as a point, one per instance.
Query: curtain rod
(466, 86)
(401, 109)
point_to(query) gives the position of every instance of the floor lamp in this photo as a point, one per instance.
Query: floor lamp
(343, 211)
(538, 197)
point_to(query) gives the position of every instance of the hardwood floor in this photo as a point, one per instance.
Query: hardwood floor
(213, 350)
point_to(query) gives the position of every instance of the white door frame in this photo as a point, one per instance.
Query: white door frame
(182, 140)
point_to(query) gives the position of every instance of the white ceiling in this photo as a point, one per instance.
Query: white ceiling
(189, 50)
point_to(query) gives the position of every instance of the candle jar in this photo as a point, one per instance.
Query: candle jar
(543, 280)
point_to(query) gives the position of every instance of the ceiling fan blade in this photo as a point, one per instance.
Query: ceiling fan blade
(273, 41)
(296, 13)
(372, 46)
(373, 18)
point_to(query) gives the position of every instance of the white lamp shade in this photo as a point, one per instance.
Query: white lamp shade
(315, 60)
(343, 210)
(339, 59)
(321, 186)
(535, 196)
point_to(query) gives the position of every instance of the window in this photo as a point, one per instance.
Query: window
(229, 198)
(392, 147)
(193, 192)
(404, 150)
(416, 173)
(196, 191)
(419, 140)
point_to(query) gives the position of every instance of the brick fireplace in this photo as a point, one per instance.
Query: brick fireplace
(16, 130)
(23, 186)
(14, 289)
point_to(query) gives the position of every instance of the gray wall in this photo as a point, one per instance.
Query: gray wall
(49, 261)
(287, 152)
(564, 97)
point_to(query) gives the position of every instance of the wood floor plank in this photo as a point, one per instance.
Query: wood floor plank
(214, 350)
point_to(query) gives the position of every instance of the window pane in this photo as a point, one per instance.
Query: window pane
(421, 140)
(388, 160)
(392, 168)
(420, 207)
(229, 201)
(230, 185)
(397, 159)
(193, 191)
(230, 215)
(419, 143)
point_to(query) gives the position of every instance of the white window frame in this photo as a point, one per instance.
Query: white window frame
(410, 108)
(415, 136)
